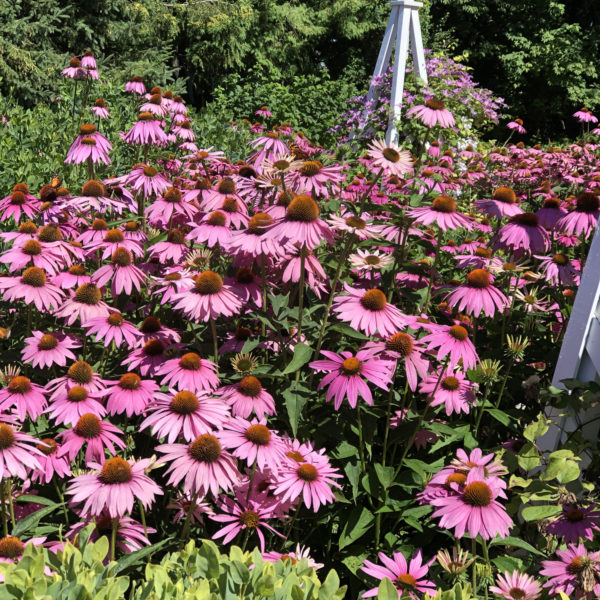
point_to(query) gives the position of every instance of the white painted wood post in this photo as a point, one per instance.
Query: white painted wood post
(403, 26)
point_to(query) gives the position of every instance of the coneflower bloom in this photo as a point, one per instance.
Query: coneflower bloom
(113, 328)
(183, 131)
(503, 203)
(136, 86)
(314, 178)
(253, 240)
(584, 219)
(89, 144)
(269, 146)
(517, 125)
(213, 229)
(253, 442)
(576, 523)
(100, 110)
(95, 434)
(32, 253)
(453, 342)
(184, 414)
(403, 347)
(146, 180)
(27, 397)
(301, 225)
(516, 586)
(247, 285)
(209, 298)
(32, 287)
(94, 198)
(451, 389)
(149, 357)
(202, 465)
(190, 372)
(85, 304)
(20, 202)
(50, 463)
(368, 311)
(130, 395)
(433, 112)
(550, 213)
(576, 574)
(155, 106)
(477, 294)
(114, 488)
(68, 406)
(74, 70)
(310, 481)
(522, 233)
(442, 213)
(356, 225)
(346, 374)
(584, 115)
(391, 159)
(113, 239)
(18, 453)
(473, 508)
(239, 516)
(408, 578)
(294, 557)
(558, 269)
(125, 275)
(74, 276)
(370, 260)
(247, 396)
(79, 373)
(170, 206)
(174, 248)
(152, 328)
(47, 349)
(147, 131)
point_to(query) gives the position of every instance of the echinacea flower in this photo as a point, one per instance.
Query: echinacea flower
(477, 295)
(32, 253)
(67, 407)
(503, 203)
(346, 372)
(247, 396)
(147, 131)
(90, 144)
(47, 349)
(576, 523)
(18, 453)
(130, 394)
(74, 70)
(26, 397)
(441, 213)
(516, 586)
(408, 578)
(190, 372)
(112, 329)
(85, 304)
(390, 159)
(300, 553)
(451, 389)
(50, 463)
(584, 115)
(202, 465)
(370, 260)
(517, 125)
(522, 232)
(146, 180)
(368, 311)
(19, 202)
(432, 113)
(184, 414)
(136, 86)
(123, 272)
(453, 342)
(584, 219)
(32, 287)
(114, 488)
(100, 110)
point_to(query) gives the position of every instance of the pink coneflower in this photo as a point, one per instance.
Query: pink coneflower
(263, 111)
(202, 465)
(347, 373)
(248, 286)
(184, 414)
(97, 435)
(182, 504)
(47, 349)
(31, 287)
(523, 232)
(155, 106)
(577, 573)
(442, 213)
(173, 249)
(209, 298)
(240, 516)
(74, 276)
(314, 178)
(452, 341)
(558, 270)
(113, 328)
(152, 328)
(576, 523)
(584, 219)
(130, 395)
(190, 372)
(253, 442)
(148, 358)
(253, 240)
(50, 463)
(516, 586)
(584, 115)
(67, 407)
(550, 213)
(391, 159)
(145, 179)
(170, 207)
(79, 373)
(95, 199)
(32, 253)
(368, 311)
(404, 347)
(517, 125)
(125, 275)
(18, 453)
(183, 131)
(20, 202)
(473, 508)
(301, 225)
(310, 481)
(85, 304)
(147, 131)
(247, 396)
(432, 113)
(100, 110)
(114, 239)
(477, 294)
(136, 86)
(114, 488)
(299, 554)
(74, 70)
(89, 144)
(356, 225)
(370, 260)
(28, 398)
(452, 390)
(407, 578)
(213, 229)
(502, 204)
(270, 147)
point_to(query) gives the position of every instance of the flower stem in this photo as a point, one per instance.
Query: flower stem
(10, 503)
(488, 389)
(301, 291)
(62, 500)
(361, 450)
(143, 517)
(113, 538)
(185, 532)
(213, 328)
(3, 510)
(433, 269)
(90, 165)
(364, 197)
(474, 552)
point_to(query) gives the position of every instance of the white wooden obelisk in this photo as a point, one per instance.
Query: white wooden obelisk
(403, 26)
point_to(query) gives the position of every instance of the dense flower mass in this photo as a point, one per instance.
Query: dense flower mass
(286, 345)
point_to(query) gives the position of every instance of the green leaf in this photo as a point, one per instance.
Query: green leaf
(131, 559)
(295, 397)
(358, 523)
(329, 586)
(537, 513)
(500, 416)
(536, 429)
(349, 331)
(516, 543)
(31, 521)
(529, 457)
(387, 590)
(302, 354)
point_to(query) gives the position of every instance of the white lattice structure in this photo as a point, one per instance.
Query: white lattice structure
(403, 27)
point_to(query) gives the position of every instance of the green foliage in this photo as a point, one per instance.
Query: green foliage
(196, 572)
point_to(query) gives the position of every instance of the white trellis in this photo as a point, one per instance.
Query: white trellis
(402, 25)
(579, 356)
